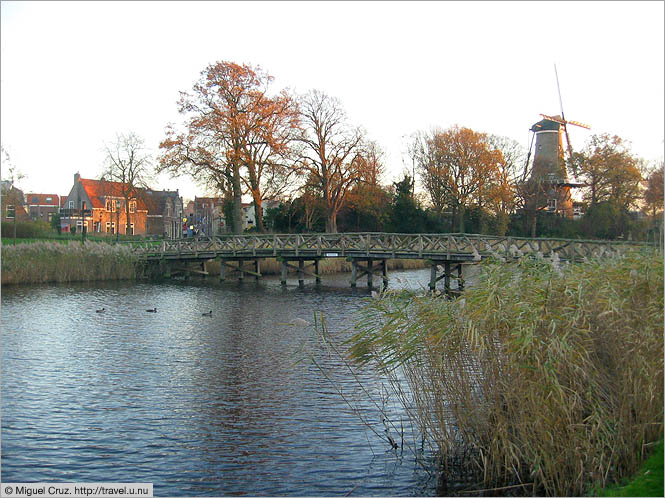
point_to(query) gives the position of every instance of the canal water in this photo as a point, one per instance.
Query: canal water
(237, 403)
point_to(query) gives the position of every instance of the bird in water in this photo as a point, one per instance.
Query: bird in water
(209, 313)
(154, 310)
(100, 311)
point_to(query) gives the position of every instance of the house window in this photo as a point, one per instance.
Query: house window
(110, 227)
(97, 226)
(551, 205)
(49, 217)
(71, 204)
(131, 229)
(49, 199)
(11, 211)
(132, 206)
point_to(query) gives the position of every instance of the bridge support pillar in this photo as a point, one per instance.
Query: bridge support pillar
(316, 271)
(257, 269)
(301, 273)
(285, 269)
(241, 270)
(354, 272)
(358, 270)
(222, 270)
(448, 267)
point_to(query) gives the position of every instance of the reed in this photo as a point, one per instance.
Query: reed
(42, 262)
(544, 379)
(270, 266)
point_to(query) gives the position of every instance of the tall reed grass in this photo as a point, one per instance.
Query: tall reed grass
(543, 379)
(42, 262)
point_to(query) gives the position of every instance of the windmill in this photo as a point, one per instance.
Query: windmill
(549, 178)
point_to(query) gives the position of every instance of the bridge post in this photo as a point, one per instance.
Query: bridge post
(370, 272)
(432, 276)
(354, 272)
(222, 270)
(241, 271)
(284, 271)
(301, 273)
(446, 278)
(316, 266)
(384, 271)
(257, 268)
(460, 280)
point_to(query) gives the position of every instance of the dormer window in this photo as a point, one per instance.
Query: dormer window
(132, 206)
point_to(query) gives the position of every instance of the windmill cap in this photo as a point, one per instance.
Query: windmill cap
(545, 125)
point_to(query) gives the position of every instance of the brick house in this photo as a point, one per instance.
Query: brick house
(99, 207)
(13, 203)
(42, 207)
(165, 213)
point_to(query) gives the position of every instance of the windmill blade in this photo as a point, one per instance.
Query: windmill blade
(570, 151)
(565, 128)
(581, 125)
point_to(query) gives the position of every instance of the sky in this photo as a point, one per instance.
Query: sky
(75, 74)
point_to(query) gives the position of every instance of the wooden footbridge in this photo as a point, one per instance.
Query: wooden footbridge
(446, 254)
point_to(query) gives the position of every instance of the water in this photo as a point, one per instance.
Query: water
(233, 404)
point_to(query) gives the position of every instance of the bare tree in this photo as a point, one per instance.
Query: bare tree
(330, 148)
(128, 164)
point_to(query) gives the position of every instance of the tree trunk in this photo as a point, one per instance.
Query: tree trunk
(127, 225)
(461, 218)
(258, 214)
(331, 222)
(237, 201)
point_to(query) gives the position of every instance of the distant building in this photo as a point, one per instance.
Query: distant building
(209, 215)
(98, 206)
(42, 207)
(165, 213)
(13, 203)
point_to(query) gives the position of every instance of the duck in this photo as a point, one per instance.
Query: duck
(100, 311)
(209, 313)
(154, 310)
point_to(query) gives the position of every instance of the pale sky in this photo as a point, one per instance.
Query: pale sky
(73, 74)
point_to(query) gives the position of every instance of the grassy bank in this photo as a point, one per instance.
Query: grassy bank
(42, 262)
(647, 482)
(543, 379)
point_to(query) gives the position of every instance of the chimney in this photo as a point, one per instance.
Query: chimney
(77, 177)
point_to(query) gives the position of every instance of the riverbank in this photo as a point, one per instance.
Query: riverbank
(647, 482)
(42, 262)
(70, 261)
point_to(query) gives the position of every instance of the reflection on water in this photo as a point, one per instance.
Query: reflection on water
(197, 405)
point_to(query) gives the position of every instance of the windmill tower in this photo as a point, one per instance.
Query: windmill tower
(549, 179)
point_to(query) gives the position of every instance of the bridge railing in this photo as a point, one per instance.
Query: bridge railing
(393, 245)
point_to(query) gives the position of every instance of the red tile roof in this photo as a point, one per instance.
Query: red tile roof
(98, 190)
(43, 199)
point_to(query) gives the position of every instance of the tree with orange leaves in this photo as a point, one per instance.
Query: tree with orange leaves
(457, 167)
(236, 139)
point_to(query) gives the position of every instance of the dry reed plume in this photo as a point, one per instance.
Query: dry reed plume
(542, 379)
(42, 262)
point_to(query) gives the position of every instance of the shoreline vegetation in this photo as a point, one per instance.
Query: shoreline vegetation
(543, 379)
(65, 261)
